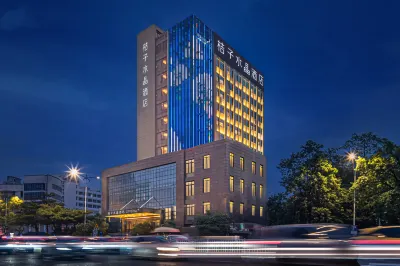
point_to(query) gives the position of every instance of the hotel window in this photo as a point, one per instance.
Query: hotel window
(253, 210)
(190, 166)
(242, 186)
(206, 162)
(261, 191)
(253, 189)
(261, 170)
(206, 207)
(189, 188)
(168, 213)
(231, 207)
(189, 209)
(206, 185)
(164, 150)
(231, 183)
(253, 168)
(241, 208)
(242, 163)
(231, 159)
(261, 211)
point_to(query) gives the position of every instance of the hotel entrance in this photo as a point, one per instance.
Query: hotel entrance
(127, 221)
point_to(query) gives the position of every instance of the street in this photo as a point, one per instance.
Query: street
(92, 260)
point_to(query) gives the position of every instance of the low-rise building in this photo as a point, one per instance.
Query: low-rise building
(40, 187)
(12, 187)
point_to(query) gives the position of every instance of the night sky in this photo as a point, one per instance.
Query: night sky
(68, 84)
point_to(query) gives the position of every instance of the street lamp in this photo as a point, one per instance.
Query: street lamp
(75, 174)
(352, 158)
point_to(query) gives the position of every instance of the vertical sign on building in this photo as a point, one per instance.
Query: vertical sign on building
(146, 93)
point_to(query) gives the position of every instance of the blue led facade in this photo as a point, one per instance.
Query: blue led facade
(190, 88)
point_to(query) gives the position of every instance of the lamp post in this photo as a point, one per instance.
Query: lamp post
(352, 157)
(75, 174)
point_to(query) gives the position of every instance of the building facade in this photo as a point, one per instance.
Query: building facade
(12, 187)
(75, 195)
(199, 133)
(40, 187)
(221, 176)
(194, 88)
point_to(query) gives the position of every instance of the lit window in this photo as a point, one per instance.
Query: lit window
(206, 162)
(242, 163)
(168, 213)
(164, 61)
(242, 186)
(164, 150)
(206, 207)
(189, 188)
(241, 208)
(164, 106)
(231, 159)
(261, 211)
(231, 207)
(190, 166)
(165, 120)
(164, 135)
(261, 191)
(261, 170)
(253, 168)
(189, 209)
(253, 210)
(253, 189)
(206, 185)
(231, 183)
(164, 91)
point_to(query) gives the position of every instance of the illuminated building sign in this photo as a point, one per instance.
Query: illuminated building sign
(236, 61)
(145, 70)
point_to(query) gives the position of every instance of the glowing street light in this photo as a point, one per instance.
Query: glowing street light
(351, 156)
(74, 172)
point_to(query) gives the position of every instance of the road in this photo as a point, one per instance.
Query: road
(98, 260)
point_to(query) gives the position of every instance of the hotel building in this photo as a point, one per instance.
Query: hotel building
(199, 132)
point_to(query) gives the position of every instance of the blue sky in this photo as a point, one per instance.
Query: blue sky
(67, 74)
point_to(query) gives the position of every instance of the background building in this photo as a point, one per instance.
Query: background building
(38, 187)
(12, 187)
(74, 195)
(193, 88)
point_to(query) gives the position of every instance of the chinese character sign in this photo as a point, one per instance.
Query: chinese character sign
(236, 61)
(145, 82)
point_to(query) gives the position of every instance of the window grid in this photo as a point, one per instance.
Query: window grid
(206, 162)
(190, 166)
(206, 207)
(242, 163)
(206, 185)
(189, 209)
(189, 188)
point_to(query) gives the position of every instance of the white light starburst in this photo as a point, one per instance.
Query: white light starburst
(74, 172)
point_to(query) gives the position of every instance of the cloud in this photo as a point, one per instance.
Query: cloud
(58, 92)
(16, 19)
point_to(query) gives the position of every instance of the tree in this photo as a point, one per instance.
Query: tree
(8, 212)
(365, 144)
(213, 224)
(277, 209)
(378, 187)
(314, 189)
